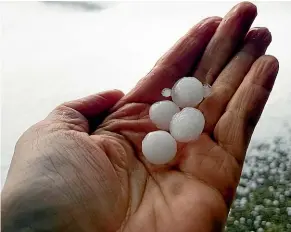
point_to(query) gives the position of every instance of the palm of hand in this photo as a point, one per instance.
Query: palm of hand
(109, 186)
(187, 196)
(195, 191)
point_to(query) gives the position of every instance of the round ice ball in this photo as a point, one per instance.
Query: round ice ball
(188, 92)
(161, 113)
(159, 147)
(187, 125)
(166, 92)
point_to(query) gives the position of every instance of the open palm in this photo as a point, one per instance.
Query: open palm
(107, 185)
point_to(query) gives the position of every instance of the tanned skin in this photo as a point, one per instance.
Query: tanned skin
(69, 175)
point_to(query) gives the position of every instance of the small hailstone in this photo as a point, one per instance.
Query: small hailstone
(166, 92)
(187, 92)
(207, 90)
(275, 202)
(187, 125)
(268, 224)
(161, 113)
(159, 147)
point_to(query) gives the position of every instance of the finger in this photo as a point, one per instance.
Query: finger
(176, 63)
(87, 113)
(223, 44)
(255, 45)
(95, 104)
(233, 131)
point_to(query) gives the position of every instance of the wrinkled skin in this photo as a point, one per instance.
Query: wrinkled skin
(67, 175)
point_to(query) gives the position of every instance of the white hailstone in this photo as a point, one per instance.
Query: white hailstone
(230, 218)
(162, 112)
(207, 90)
(247, 190)
(275, 202)
(259, 218)
(253, 185)
(256, 224)
(268, 224)
(159, 147)
(282, 198)
(243, 202)
(236, 202)
(282, 166)
(273, 164)
(236, 222)
(239, 190)
(242, 220)
(187, 125)
(254, 213)
(260, 230)
(273, 171)
(166, 92)
(268, 201)
(187, 92)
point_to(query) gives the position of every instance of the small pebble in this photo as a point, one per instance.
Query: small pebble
(159, 147)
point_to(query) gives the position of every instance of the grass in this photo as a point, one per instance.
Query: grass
(263, 200)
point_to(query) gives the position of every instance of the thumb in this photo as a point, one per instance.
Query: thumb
(84, 111)
(93, 105)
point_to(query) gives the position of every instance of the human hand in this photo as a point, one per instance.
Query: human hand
(64, 178)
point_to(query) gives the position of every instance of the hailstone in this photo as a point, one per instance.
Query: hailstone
(166, 92)
(159, 147)
(161, 113)
(207, 90)
(187, 125)
(187, 92)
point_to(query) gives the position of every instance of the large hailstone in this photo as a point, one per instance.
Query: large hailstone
(188, 92)
(187, 125)
(159, 147)
(161, 113)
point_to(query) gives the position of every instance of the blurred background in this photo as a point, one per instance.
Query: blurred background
(58, 51)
